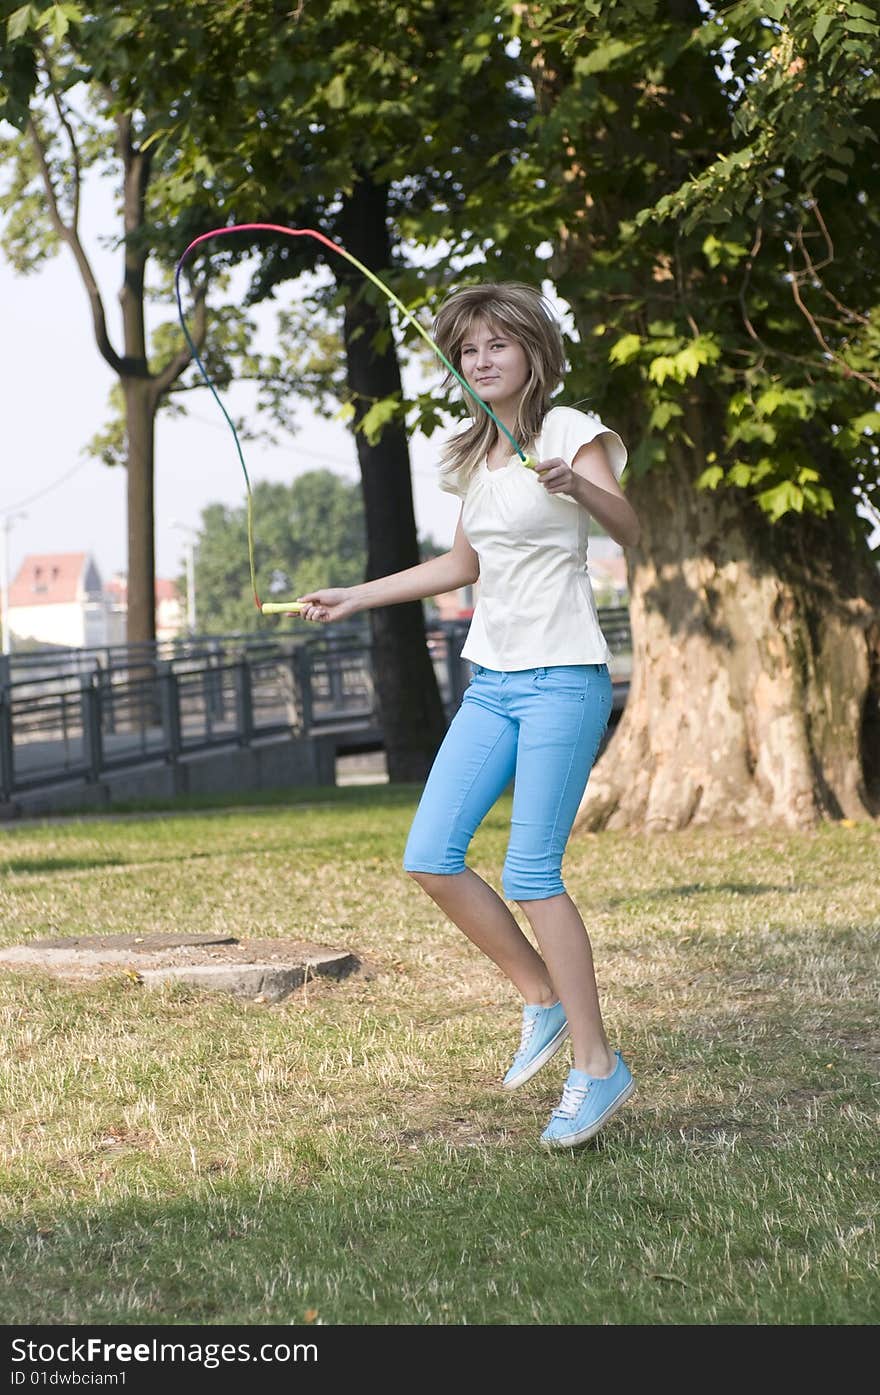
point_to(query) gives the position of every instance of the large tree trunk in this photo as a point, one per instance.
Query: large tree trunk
(140, 414)
(755, 692)
(141, 398)
(409, 700)
(755, 695)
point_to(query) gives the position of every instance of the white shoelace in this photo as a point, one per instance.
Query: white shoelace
(573, 1097)
(528, 1028)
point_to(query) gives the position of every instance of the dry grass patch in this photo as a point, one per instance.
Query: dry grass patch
(350, 1149)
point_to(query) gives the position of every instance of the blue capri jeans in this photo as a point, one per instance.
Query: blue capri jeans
(540, 727)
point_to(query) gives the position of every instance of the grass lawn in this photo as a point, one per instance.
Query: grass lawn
(347, 1155)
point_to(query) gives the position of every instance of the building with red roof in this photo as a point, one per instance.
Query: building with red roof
(58, 599)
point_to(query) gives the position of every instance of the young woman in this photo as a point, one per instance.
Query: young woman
(540, 696)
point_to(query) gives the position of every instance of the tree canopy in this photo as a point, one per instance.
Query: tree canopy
(715, 213)
(308, 534)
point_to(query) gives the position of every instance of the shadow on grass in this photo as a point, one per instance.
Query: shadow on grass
(428, 1233)
(40, 866)
(256, 802)
(59, 864)
(711, 889)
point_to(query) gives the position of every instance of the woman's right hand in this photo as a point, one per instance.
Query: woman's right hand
(323, 607)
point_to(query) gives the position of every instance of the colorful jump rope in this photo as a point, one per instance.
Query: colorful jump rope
(288, 607)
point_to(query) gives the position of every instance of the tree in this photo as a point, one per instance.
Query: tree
(358, 120)
(80, 93)
(712, 235)
(308, 534)
(22, 28)
(304, 531)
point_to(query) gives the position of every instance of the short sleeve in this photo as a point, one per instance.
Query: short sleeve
(451, 481)
(566, 429)
(454, 479)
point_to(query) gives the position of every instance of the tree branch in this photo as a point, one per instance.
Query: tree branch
(756, 247)
(848, 372)
(838, 305)
(70, 235)
(77, 168)
(163, 380)
(136, 177)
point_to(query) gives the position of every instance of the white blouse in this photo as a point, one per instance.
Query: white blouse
(536, 604)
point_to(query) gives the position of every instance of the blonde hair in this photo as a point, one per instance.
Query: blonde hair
(523, 314)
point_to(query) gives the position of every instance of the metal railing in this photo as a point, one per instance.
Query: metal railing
(81, 726)
(130, 705)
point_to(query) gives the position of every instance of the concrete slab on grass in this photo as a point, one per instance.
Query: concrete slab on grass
(265, 970)
(138, 944)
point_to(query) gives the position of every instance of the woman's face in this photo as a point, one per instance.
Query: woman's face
(494, 364)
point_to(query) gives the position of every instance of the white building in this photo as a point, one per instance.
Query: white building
(57, 598)
(170, 618)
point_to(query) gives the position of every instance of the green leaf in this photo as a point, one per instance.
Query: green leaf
(783, 498)
(868, 421)
(821, 27)
(602, 57)
(156, 136)
(711, 478)
(335, 92)
(801, 401)
(60, 22)
(373, 422)
(663, 414)
(821, 500)
(625, 349)
(686, 363)
(860, 26)
(719, 252)
(661, 368)
(740, 474)
(19, 22)
(651, 451)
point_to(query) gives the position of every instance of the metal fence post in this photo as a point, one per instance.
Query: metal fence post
(90, 698)
(303, 678)
(7, 768)
(212, 681)
(335, 657)
(169, 702)
(244, 702)
(108, 710)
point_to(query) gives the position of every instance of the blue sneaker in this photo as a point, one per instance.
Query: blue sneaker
(543, 1032)
(587, 1103)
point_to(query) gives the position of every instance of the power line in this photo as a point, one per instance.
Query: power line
(75, 469)
(32, 498)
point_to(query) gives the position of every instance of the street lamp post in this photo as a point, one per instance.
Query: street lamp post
(5, 529)
(190, 564)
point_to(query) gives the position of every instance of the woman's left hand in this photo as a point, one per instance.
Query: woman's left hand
(555, 475)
